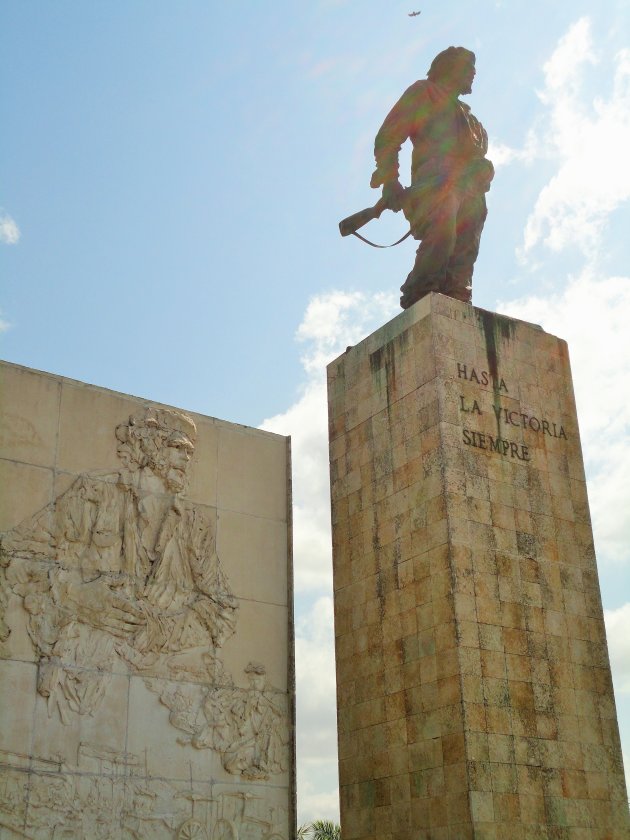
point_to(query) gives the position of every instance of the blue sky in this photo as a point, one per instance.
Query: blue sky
(171, 179)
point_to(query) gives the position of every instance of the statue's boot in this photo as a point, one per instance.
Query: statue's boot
(437, 242)
(414, 288)
(457, 287)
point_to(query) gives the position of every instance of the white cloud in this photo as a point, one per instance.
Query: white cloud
(590, 142)
(587, 139)
(501, 154)
(591, 310)
(9, 231)
(618, 632)
(306, 422)
(331, 322)
(574, 49)
(315, 805)
(316, 713)
(314, 631)
(4, 325)
(592, 314)
(335, 320)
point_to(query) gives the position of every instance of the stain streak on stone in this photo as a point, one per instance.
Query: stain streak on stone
(494, 327)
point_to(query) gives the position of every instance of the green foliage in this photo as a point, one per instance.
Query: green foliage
(320, 830)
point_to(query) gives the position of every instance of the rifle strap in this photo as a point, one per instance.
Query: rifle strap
(374, 245)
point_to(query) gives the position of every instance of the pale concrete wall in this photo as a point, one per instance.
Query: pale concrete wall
(156, 728)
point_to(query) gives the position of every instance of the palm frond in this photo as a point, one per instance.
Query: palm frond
(325, 830)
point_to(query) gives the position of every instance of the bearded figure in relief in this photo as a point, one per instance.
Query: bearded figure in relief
(119, 564)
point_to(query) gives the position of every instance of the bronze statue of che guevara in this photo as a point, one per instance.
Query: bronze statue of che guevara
(450, 175)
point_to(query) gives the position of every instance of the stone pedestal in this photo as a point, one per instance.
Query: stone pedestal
(473, 682)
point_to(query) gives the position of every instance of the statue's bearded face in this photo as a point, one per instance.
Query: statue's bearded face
(460, 75)
(162, 441)
(466, 76)
(173, 464)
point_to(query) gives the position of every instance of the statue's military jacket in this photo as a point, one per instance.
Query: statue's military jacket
(448, 141)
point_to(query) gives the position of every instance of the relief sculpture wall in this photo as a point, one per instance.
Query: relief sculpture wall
(138, 699)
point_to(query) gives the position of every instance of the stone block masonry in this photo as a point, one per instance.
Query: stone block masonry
(473, 682)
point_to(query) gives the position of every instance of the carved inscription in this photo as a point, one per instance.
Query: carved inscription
(504, 417)
(481, 378)
(496, 444)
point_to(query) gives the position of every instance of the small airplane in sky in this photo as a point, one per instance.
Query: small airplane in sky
(413, 14)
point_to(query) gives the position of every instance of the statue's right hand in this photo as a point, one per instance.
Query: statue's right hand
(95, 603)
(394, 195)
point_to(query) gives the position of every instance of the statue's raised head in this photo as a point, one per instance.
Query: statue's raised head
(454, 67)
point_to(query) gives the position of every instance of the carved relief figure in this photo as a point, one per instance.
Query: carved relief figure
(104, 794)
(119, 564)
(245, 725)
(251, 735)
(109, 795)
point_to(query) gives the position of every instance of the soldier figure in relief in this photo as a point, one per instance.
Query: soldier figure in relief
(252, 734)
(445, 204)
(119, 563)
(247, 726)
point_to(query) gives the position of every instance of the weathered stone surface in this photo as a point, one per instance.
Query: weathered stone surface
(146, 663)
(474, 689)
